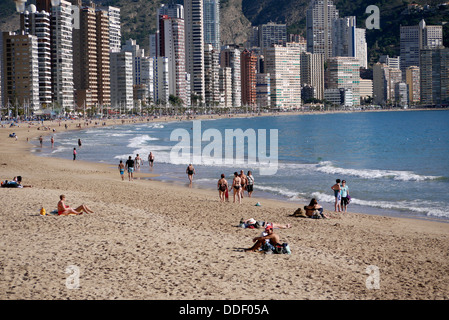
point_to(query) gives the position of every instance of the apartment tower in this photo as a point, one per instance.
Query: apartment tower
(415, 38)
(38, 23)
(211, 23)
(283, 63)
(248, 61)
(194, 47)
(62, 55)
(21, 70)
(320, 17)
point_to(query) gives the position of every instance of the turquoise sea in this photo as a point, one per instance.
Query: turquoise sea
(395, 163)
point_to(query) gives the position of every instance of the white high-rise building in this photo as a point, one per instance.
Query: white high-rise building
(115, 33)
(211, 75)
(171, 46)
(121, 80)
(320, 17)
(137, 53)
(194, 35)
(62, 55)
(361, 47)
(38, 24)
(161, 81)
(225, 87)
(283, 63)
(211, 23)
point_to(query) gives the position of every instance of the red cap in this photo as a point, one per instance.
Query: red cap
(268, 227)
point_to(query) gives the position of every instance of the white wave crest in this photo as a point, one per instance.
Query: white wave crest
(329, 168)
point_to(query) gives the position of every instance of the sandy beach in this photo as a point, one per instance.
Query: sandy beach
(152, 240)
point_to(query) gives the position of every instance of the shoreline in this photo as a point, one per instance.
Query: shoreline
(145, 175)
(152, 240)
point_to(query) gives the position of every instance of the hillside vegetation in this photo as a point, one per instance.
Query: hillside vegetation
(138, 18)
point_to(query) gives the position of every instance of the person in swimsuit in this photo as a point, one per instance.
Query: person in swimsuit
(222, 187)
(263, 224)
(65, 210)
(249, 183)
(336, 187)
(121, 168)
(236, 186)
(242, 182)
(151, 159)
(190, 172)
(130, 166)
(79, 143)
(138, 161)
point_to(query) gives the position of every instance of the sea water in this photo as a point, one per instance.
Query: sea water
(395, 163)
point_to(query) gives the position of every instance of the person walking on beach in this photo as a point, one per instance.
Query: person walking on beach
(249, 183)
(52, 140)
(151, 159)
(222, 187)
(130, 166)
(344, 195)
(41, 140)
(336, 187)
(74, 154)
(121, 168)
(236, 186)
(138, 161)
(190, 172)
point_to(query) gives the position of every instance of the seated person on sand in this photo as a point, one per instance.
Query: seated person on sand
(313, 205)
(65, 210)
(273, 240)
(257, 224)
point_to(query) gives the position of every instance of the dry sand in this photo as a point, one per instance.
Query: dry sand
(150, 240)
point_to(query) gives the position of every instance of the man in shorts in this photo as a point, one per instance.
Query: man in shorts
(130, 166)
(273, 240)
(121, 168)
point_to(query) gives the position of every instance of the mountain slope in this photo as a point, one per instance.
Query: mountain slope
(138, 18)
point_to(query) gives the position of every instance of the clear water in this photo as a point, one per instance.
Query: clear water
(395, 163)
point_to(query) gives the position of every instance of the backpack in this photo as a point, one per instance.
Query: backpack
(282, 249)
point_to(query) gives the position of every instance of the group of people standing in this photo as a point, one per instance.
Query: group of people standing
(341, 193)
(133, 164)
(240, 183)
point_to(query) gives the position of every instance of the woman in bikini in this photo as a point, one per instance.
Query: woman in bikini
(222, 187)
(236, 185)
(65, 210)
